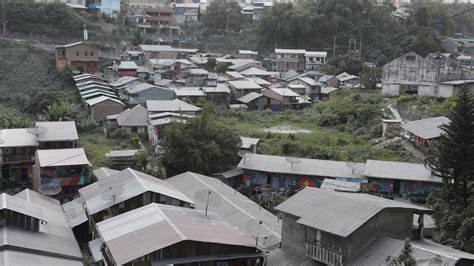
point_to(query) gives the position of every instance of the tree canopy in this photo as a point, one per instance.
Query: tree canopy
(221, 13)
(201, 146)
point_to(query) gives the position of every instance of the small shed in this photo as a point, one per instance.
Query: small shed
(103, 106)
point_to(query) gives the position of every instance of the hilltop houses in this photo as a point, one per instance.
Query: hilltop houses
(79, 55)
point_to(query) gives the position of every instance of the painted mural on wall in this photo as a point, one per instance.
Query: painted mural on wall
(281, 180)
(409, 188)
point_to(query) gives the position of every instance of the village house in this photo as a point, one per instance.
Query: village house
(369, 229)
(278, 99)
(17, 155)
(131, 121)
(312, 88)
(126, 69)
(279, 171)
(252, 100)
(249, 144)
(242, 87)
(325, 92)
(347, 80)
(234, 75)
(238, 64)
(123, 159)
(117, 192)
(61, 173)
(422, 133)
(235, 208)
(101, 107)
(94, 93)
(197, 78)
(80, 55)
(18, 146)
(122, 82)
(315, 60)
(91, 82)
(411, 73)
(289, 59)
(171, 106)
(261, 82)
(139, 94)
(186, 12)
(220, 94)
(158, 121)
(247, 54)
(167, 68)
(450, 88)
(165, 52)
(161, 21)
(256, 72)
(194, 95)
(329, 81)
(55, 134)
(35, 231)
(193, 237)
(398, 179)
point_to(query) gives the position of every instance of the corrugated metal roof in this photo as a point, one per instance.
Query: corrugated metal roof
(244, 84)
(62, 157)
(382, 247)
(290, 51)
(15, 257)
(339, 213)
(17, 137)
(427, 128)
(338, 185)
(58, 131)
(310, 81)
(255, 71)
(260, 81)
(75, 212)
(167, 120)
(83, 88)
(312, 167)
(198, 71)
(54, 238)
(189, 91)
(170, 106)
(168, 114)
(284, 257)
(131, 184)
(97, 94)
(19, 205)
(127, 65)
(248, 142)
(316, 54)
(285, 92)
(399, 171)
(121, 153)
(235, 74)
(91, 82)
(219, 88)
(104, 172)
(232, 206)
(104, 92)
(100, 99)
(248, 52)
(122, 81)
(135, 117)
(94, 248)
(133, 234)
(247, 98)
(328, 90)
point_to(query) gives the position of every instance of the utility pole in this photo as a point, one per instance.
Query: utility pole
(227, 23)
(360, 48)
(334, 48)
(350, 46)
(4, 17)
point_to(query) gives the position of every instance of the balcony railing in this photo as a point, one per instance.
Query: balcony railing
(322, 253)
(21, 158)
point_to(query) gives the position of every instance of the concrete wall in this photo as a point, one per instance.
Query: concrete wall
(390, 90)
(293, 236)
(427, 91)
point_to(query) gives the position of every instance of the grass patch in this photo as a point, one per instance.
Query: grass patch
(96, 145)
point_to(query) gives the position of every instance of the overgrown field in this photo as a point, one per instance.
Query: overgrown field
(343, 128)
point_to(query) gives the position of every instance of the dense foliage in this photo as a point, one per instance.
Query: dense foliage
(317, 24)
(452, 159)
(201, 146)
(222, 15)
(405, 257)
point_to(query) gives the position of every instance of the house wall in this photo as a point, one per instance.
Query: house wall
(160, 55)
(89, 67)
(100, 111)
(127, 73)
(82, 52)
(293, 236)
(409, 188)
(252, 177)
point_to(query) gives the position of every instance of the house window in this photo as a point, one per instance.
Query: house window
(77, 53)
(85, 53)
(92, 53)
(410, 58)
(64, 52)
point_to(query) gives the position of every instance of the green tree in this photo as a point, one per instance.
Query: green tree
(149, 161)
(201, 145)
(466, 235)
(210, 65)
(221, 68)
(222, 15)
(370, 76)
(405, 257)
(452, 158)
(137, 38)
(61, 111)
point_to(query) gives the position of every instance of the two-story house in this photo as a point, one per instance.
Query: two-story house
(80, 55)
(289, 59)
(315, 60)
(342, 228)
(278, 99)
